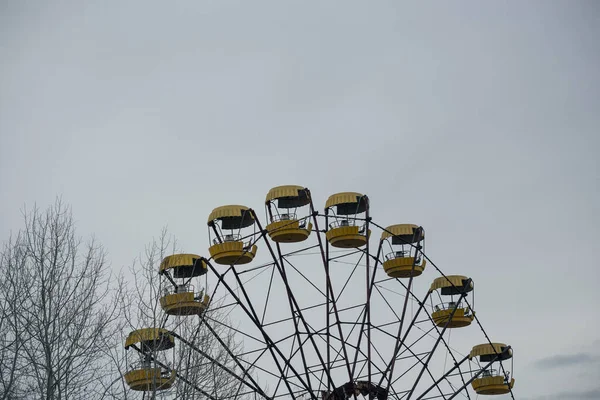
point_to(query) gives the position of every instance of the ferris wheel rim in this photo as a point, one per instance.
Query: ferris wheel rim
(279, 265)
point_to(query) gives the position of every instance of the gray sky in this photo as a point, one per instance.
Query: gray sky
(478, 121)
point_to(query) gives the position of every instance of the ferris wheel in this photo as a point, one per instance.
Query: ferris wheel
(329, 305)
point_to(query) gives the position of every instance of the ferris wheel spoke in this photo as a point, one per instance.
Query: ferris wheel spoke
(451, 352)
(368, 302)
(252, 384)
(307, 368)
(183, 378)
(293, 353)
(420, 357)
(383, 297)
(324, 257)
(196, 387)
(238, 359)
(401, 355)
(272, 346)
(262, 320)
(295, 309)
(475, 317)
(303, 276)
(400, 340)
(264, 370)
(337, 321)
(338, 352)
(340, 323)
(370, 286)
(245, 334)
(358, 351)
(476, 375)
(381, 358)
(345, 340)
(296, 315)
(261, 351)
(462, 296)
(348, 279)
(282, 320)
(446, 375)
(410, 368)
(286, 368)
(251, 313)
(367, 315)
(330, 296)
(346, 254)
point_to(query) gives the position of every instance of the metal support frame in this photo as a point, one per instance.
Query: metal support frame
(436, 383)
(187, 382)
(476, 375)
(437, 342)
(252, 385)
(293, 304)
(325, 255)
(333, 324)
(251, 313)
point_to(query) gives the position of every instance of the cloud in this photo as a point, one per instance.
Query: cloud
(567, 360)
(582, 395)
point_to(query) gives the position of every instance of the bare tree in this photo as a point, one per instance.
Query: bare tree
(64, 319)
(200, 374)
(57, 310)
(11, 338)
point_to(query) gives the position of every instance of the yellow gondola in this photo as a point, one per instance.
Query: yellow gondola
(282, 204)
(181, 298)
(348, 228)
(494, 379)
(455, 313)
(150, 373)
(229, 247)
(406, 242)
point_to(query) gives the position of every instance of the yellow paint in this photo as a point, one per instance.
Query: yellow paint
(284, 191)
(492, 385)
(228, 211)
(449, 281)
(488, 349)
(402, 267)
(149, 379)
(183, 304)
(406, 230)
(150, 335)
(346, 237)
(342, 198)
(179, 260)
(232, 253)
(459, 319)
(288, 231)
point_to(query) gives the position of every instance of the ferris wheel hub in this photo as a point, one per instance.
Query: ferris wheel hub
(350, 389)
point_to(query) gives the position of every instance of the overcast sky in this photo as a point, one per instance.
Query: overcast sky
(478, 121)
